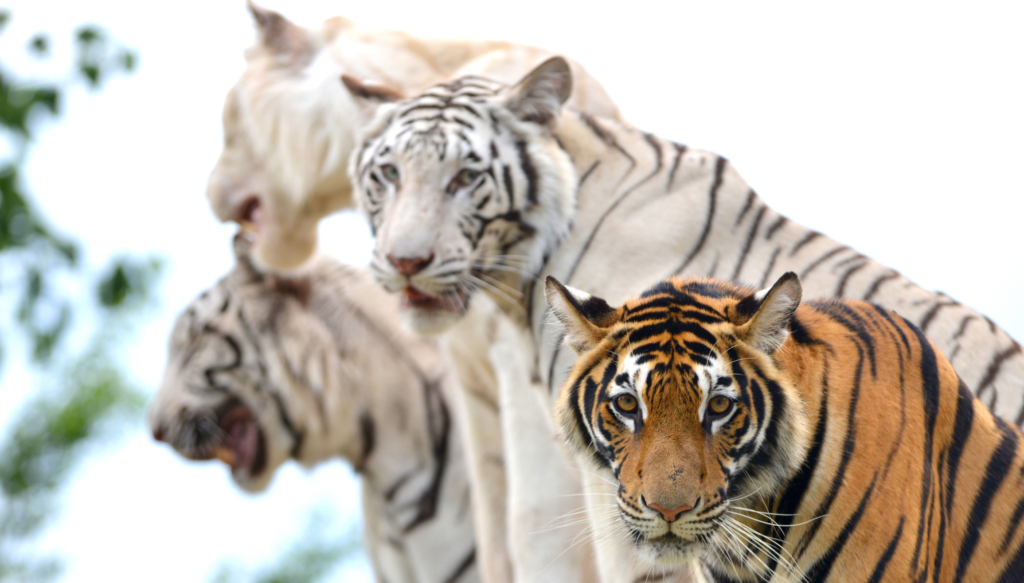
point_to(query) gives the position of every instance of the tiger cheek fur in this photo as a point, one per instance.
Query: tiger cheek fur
(465, 192)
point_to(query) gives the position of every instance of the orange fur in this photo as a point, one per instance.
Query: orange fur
(866, 458)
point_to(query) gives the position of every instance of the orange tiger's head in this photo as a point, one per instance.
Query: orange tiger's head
(679, 396)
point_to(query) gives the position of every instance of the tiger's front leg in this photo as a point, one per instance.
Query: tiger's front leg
(547, 538)
(478, 403)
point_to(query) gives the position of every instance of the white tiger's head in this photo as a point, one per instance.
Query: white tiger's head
(253, 378)
(466, 189)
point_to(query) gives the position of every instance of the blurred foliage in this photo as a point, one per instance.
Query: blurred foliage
(311, 559)
(51, 296)
(78, 393)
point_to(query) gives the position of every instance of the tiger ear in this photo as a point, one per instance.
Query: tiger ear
(587, 319)
(539, 96)
(370, 91)
(279, 35)
(768, 329)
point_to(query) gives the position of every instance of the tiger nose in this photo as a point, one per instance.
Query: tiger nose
(409, 267)
(669, 515)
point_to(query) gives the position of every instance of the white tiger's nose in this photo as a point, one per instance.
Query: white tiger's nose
(410, 266)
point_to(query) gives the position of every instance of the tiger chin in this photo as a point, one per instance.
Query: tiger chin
(758, 438)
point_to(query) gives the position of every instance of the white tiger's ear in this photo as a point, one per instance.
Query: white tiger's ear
(371, 91)
(587, 319)
(768, 328)
(539, 96)
(279, 35)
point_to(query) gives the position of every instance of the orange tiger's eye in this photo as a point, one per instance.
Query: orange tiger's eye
(626, 403)
(719, 405)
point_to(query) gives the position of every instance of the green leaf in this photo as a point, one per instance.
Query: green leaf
(39, 44)
(129, 60)
(89, 34)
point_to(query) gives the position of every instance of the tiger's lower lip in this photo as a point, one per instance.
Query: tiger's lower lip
(414, 298)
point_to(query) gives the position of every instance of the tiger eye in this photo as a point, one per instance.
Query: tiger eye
(626, 403)
(390, 172)
(719, 405)
(466, 177)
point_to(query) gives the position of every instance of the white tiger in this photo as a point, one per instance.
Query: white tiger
(263, 369)
(288, 130)
(289, 126)
(474, 186)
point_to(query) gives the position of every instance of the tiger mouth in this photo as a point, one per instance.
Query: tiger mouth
(243, 446)
(453, 301)
(250, 215)
(237, 439)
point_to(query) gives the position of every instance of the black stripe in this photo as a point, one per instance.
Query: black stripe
(463, 567)
(792, 496)
(847, 453)
(821, 569)
(812, 235)
(746, 207)
(934, 311)
(998, 467)
(585, 175)
(890, 550)
(618, 200)
(680, 151)
(779, 222)
(993, 368)
(749, 242)
(841, 288)
(823, 259)
(529, 170)
(1014, 569)
(878, 284)
(712, 202)
(1018, 512)
(930, 397)
(768, 270)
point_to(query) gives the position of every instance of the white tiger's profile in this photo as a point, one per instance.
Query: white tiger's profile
(289, 126)
(263, 369)
(475, 186)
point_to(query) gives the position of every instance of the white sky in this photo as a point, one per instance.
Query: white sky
(896, 129)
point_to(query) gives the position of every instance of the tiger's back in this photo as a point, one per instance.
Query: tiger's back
(849, 449)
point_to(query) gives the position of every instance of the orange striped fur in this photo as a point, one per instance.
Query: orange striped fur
(768, 440)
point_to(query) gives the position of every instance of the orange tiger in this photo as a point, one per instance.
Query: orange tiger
(764, 440)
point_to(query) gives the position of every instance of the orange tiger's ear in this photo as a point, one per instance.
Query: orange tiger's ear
(587, 319)
(371, 90)
(539, 96)
(768, 328)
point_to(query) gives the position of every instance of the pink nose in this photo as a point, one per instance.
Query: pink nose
(669, 515)
(409, 267)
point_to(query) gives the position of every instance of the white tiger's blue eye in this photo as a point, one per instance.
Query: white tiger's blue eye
(465, 177)
(389, 172)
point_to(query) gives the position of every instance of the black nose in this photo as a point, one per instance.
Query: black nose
(158, 433)
(410, 266)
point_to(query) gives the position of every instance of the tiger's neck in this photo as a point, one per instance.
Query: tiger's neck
(380, 371)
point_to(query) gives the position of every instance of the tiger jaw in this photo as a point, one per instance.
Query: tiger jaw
(230, 433)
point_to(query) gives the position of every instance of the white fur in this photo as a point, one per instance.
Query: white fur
(289, 124)
(335, 361)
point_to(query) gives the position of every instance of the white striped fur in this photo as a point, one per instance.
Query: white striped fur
(324, 369)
